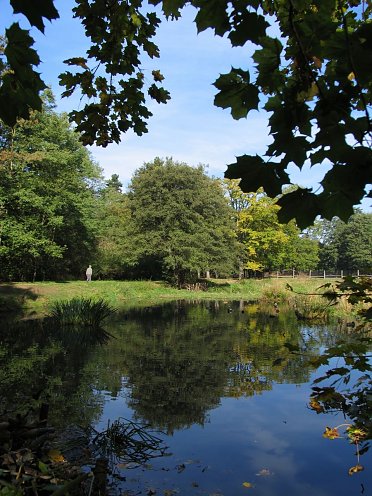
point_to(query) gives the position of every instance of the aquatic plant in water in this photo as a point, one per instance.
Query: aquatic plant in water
(129, 442)
(81, 312)
(311, 307)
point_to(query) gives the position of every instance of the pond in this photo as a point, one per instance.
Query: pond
(218, 385)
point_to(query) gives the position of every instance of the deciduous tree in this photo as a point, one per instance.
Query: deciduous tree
(47, 182)
(114, 249)
(181, 222)
(345, 246)
(265, 243)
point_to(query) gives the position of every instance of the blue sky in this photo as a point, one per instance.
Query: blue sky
(188, 128)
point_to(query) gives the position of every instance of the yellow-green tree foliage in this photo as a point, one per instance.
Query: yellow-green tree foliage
(265, 243)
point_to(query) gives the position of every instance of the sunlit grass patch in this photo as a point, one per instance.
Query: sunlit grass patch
(39, 297)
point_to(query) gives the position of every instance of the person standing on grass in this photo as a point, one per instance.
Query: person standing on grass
(88, 273)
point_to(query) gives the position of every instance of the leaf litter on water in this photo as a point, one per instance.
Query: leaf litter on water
(248, 485)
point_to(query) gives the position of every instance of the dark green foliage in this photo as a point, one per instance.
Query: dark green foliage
(254, 173)
(81, 312)
(46, 197)
(20, 85)
(355, 246)
(345, 246)
(319, 95)
(302, 254)
(113, 258)
(119, 90)
(180, 221)
(36, 12)
(236, 93)
(114, 184)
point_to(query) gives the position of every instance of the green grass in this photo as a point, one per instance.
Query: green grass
(40, 296)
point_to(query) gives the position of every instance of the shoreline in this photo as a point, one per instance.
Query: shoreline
(35, 299)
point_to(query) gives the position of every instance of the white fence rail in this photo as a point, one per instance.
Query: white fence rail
(322, 274)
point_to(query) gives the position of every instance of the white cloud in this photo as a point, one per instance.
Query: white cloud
(207, 139)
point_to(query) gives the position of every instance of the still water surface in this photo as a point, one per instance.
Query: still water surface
(218, 381)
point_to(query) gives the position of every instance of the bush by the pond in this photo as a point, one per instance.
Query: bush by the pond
(81, 312)
(311, 307)
(276, 294)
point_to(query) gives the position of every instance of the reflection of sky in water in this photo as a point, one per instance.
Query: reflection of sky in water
(274, 434)
(271, 440)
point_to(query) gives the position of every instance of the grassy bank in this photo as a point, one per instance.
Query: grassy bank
(38, 297)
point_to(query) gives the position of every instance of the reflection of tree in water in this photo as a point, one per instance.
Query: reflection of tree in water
(180, 359)
(42, 363)
(262, 355)
(177, 361)
(175, 367)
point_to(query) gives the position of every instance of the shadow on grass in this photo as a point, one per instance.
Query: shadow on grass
(216, 285)
(13, 298)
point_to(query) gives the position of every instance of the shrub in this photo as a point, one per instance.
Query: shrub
(311, 307)
(81, 312)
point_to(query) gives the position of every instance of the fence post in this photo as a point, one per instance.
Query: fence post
(324, 274)
(358, 273)
(293, 273)
(342, 273)
(310, 273)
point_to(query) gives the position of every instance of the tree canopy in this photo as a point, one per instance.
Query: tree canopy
(345, 246)
(181, 222)
(57, 215)
(312, 76)
(265, 244)
(47, 181)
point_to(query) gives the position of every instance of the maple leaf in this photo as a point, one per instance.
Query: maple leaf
(36, 11)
